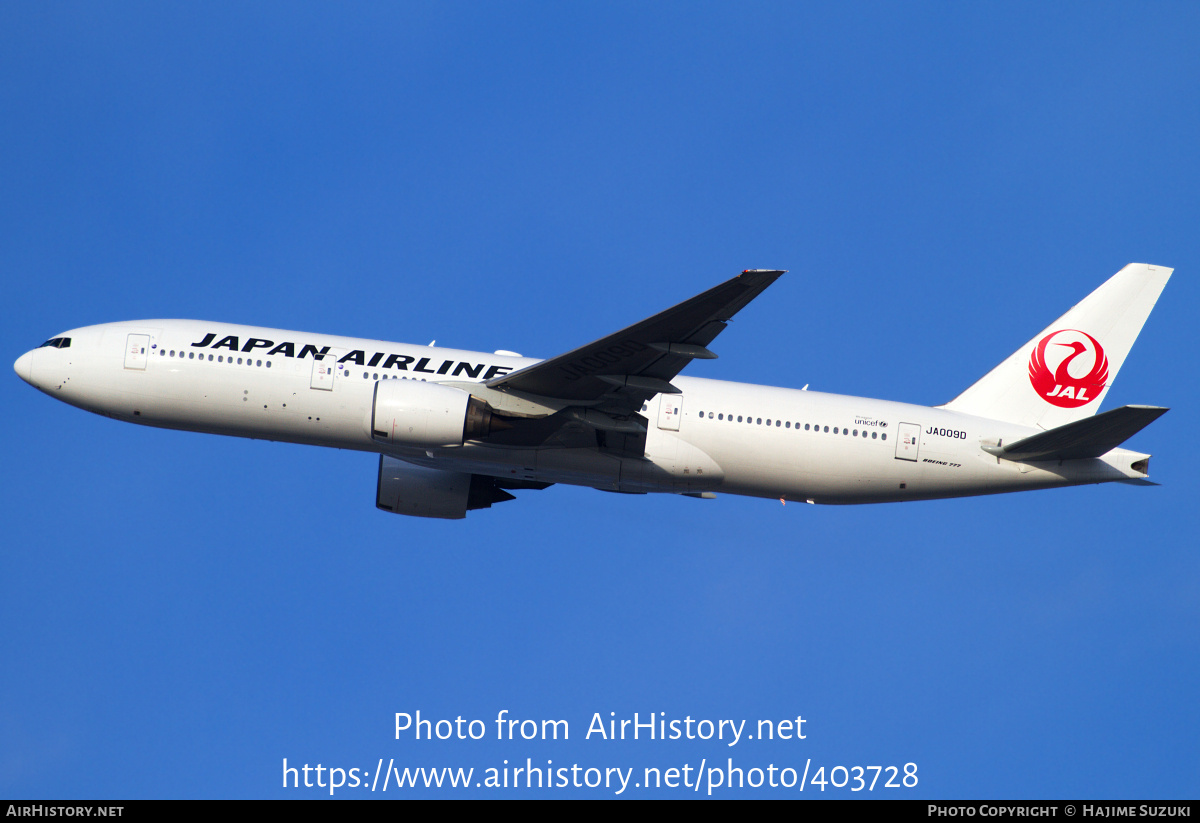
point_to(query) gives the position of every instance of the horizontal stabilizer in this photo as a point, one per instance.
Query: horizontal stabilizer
(1089, 437)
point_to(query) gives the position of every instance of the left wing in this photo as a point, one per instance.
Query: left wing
(624, 369)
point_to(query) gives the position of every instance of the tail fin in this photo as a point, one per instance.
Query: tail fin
(1063, 373)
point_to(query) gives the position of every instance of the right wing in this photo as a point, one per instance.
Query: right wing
(626, 368)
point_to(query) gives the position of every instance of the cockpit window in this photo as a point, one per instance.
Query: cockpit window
(57, 343)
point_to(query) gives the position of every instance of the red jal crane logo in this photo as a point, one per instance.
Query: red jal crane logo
(1068, 368)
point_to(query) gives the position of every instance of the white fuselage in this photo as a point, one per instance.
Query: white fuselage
(716, 436)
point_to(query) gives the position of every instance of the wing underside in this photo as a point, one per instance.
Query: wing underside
(622, 370)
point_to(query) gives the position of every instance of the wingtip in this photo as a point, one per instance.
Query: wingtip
(766, 276)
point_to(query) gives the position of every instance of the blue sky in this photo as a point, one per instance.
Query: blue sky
(182, 612)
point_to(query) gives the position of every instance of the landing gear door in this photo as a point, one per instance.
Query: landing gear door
(137, 351)
(908, 441)
(670, 407)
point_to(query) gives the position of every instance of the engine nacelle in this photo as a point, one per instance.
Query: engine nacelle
(426, 415)
(421, 492)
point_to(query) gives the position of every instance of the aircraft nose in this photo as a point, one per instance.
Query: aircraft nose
(24, 367)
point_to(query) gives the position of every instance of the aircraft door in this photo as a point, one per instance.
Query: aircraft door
(327, 370)
(137, 351)
(908, 441)
(670, 407)
(322, 374)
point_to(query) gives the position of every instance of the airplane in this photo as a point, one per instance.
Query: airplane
(457, 430)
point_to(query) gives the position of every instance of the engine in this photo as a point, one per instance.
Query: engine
(420, 492)
(428, 415)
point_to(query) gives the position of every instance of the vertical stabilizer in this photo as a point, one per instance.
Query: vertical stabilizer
(1063, 373)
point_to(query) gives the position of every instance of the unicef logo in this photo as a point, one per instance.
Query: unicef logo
(1068, 368)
